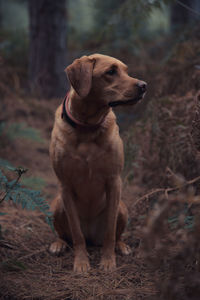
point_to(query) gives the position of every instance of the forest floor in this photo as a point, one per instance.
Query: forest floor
(28, 271)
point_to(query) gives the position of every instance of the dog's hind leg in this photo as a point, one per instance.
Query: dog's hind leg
(121, 224)
(61, 226)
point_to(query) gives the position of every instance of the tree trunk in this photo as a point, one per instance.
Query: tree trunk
(47, 47)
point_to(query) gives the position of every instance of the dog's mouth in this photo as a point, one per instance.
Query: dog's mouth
(126, 102)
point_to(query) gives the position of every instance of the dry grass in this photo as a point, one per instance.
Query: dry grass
(28, 271)
(165, 141)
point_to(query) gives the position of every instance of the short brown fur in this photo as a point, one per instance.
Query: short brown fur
(88, 161)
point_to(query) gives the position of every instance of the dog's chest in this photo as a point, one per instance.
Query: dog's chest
(87, 156)
(88, 161)
(88, 152)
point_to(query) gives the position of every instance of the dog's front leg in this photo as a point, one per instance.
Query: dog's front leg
(113, 194)
(81, 262)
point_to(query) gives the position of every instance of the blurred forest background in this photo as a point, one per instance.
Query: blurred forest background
(39, 38)
(160, 42)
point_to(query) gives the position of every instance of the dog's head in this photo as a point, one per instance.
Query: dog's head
(105, 79)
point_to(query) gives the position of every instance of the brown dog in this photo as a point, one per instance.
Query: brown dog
(87, 155)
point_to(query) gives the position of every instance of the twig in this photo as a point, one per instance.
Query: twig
(17, 180)
(32, 254)
(19, 171)
(28, 255)
(166, 190)
(5, 244)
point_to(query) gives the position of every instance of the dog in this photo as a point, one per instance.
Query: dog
(87, 155)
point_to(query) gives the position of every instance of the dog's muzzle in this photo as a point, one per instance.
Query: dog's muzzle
(142, 86)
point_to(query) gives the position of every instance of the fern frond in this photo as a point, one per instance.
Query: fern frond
(27, 198)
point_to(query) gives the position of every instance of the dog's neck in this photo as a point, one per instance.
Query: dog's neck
(91, 114)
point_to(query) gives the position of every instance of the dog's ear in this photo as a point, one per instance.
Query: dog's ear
(80, 75)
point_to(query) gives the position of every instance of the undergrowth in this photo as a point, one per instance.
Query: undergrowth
(12, 189)
(171, 243)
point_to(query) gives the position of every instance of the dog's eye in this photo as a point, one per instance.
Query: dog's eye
(111, 72)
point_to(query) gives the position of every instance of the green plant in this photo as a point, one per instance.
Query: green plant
(15, 191)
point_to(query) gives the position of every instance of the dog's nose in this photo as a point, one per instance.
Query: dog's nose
(142, 85)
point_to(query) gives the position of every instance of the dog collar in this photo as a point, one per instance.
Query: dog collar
(67, 116)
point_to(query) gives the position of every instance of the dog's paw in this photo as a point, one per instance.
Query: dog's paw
(123, 248)
(108, 263)
(81, 265)
(57, 247)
